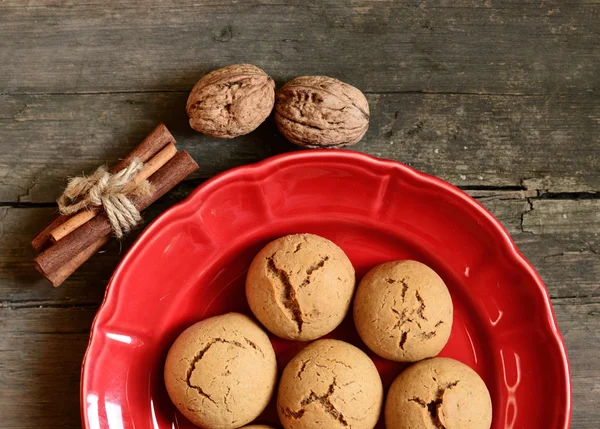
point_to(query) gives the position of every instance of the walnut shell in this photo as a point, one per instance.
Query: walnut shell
(321, 112)
(231, 101)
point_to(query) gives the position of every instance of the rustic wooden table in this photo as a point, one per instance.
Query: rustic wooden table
(498, 97)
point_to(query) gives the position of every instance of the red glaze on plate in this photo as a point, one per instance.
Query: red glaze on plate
(191, 263)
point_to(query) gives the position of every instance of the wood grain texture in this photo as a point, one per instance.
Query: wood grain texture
(497, 96)
(580, 326)
(41, 351)
(19, 282)
(546, 143)
(464, 46)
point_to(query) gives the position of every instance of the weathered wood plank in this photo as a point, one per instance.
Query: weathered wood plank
(577, 219)
(483, 94)
(465, 46)
(42, 349)
(553, 142)
(579, 323)
(20, 282)
(567, 260)
(559, 237)
(48, 138)
(491, 141)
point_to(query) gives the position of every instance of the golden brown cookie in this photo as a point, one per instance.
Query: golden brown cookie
(330, 384)
(221, 372)
(403, 311)
(300, 286)
(438, 393)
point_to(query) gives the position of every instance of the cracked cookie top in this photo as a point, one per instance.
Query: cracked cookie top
(438, 393)
(221, 372)
(403, 311)
(330, 384)
(300, 286)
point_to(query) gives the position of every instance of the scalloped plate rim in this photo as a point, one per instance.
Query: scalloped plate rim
(210, 185)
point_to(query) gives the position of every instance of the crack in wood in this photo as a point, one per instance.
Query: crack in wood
(189, 184)
(43, 304)
(523, 214)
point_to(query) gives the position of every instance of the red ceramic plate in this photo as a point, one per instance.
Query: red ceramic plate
(191, 263)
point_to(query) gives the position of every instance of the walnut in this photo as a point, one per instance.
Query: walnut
(231, 101)
(321, 112)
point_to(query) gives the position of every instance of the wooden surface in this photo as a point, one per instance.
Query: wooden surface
(498, 97)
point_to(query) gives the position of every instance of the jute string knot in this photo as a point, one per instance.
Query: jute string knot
(109, 191)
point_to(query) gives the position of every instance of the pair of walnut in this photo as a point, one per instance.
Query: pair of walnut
(310, 111)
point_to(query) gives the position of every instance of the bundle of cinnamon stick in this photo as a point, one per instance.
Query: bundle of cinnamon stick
(68, 241)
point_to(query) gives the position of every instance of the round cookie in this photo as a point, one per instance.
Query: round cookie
(300, 286)
(330, 384)
(438, 393)
(403, 311)
(221, 372)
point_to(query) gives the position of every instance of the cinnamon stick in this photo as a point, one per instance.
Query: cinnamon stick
(156, 162)
(41, 240)
(78, 219)
(64, 250)
(60, 275)
(150, 146)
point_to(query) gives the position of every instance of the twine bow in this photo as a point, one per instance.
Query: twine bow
(109, 191)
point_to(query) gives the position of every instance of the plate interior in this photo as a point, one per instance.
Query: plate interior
(191, 264)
